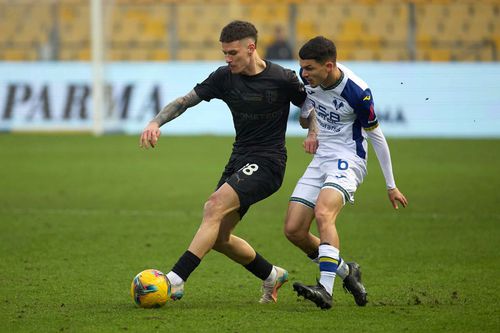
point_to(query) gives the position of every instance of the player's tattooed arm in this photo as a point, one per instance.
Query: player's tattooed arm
(177, 107)
(174, 109)
(313, 124)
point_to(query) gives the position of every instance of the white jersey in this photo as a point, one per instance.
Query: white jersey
(343, 112)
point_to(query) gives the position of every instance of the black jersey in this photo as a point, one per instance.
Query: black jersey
(260, 104)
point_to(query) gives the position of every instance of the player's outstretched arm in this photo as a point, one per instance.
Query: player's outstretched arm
(381, 148)
(174, 109)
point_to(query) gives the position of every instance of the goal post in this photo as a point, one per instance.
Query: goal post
(97, 60)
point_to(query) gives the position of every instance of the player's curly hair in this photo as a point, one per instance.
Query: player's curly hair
(237, 30)
(320, 49)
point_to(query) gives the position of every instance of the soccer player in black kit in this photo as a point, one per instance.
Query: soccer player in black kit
(258, 93)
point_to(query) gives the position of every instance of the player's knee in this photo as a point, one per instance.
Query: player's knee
(294, 233)
(214, 207)
(323, 215)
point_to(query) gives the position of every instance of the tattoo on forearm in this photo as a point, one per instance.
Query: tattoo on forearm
(313, 123)
(177, 107)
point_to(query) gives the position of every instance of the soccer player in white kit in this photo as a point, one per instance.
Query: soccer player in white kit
(339, 113)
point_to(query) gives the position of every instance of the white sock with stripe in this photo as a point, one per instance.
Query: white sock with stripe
(343, 269)
(328, 263)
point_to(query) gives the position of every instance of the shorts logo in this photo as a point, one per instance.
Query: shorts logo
(367, 98)
(238, 179)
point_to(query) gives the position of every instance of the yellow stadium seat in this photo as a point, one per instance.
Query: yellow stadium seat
(18, 55)
(447, 30)
(160, 55)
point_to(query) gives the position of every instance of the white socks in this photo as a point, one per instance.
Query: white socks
(343, 269)
(174, 278)
(328, 263)
(272, 275)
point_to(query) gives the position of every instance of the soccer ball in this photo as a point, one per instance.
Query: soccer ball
(150, 289)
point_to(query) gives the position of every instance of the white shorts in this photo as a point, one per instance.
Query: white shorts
(342, 175)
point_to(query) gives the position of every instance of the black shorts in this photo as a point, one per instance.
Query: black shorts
(253, 177)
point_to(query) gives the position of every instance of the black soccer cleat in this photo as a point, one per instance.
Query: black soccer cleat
(316, 294)
(353, 285)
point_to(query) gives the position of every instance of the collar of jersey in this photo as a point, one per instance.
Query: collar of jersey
(268, 64)
(335, 85)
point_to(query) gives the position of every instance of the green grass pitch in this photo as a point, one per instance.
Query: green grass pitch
(80, 216)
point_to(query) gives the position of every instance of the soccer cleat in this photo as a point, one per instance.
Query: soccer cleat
(316, 294)
(270, 289)
(175, 291)
(353, 285)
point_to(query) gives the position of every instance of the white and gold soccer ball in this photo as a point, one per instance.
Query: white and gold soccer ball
(150, 289)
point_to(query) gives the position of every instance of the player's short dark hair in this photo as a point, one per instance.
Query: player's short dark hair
(237, 30)
(320, 49)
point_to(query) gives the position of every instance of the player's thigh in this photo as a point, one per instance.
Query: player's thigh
(298, 218)
(329, 204)
(222, 202)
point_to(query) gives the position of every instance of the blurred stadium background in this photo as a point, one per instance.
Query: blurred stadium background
(159, 30)
(61, 60)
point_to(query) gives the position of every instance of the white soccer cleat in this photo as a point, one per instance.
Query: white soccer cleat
(270, 289)
(175, 291)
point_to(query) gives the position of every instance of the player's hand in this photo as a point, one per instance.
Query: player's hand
(150, 135)
(394, 196)
(311, 144)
